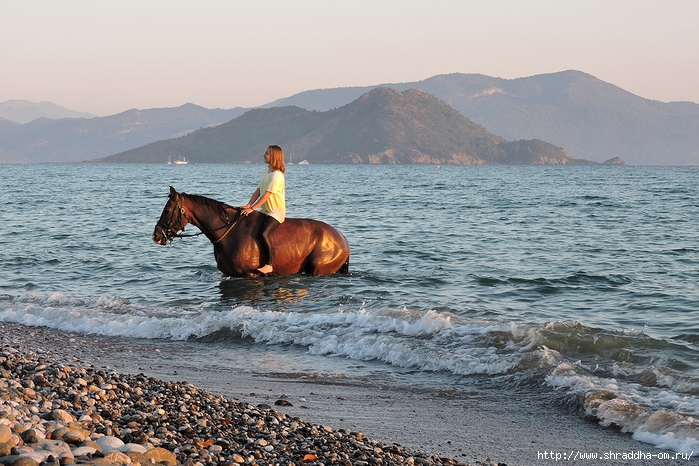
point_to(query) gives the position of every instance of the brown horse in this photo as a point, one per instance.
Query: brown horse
(300, 245)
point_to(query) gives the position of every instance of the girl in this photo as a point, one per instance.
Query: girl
(270, 197)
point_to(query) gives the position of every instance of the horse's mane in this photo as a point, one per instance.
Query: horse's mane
(211, 203)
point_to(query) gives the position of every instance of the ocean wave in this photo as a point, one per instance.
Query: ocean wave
(550, 286)
(102, 316)
(658, 416)
(428, 341)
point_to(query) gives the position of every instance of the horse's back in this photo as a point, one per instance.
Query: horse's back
(328, 248)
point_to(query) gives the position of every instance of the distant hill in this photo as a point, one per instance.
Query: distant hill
(24, 111)
(382, 126)
(74, 140)
(4, 123)
(592, 119)
(8, 156)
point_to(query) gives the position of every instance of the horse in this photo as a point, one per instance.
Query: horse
(300, 245)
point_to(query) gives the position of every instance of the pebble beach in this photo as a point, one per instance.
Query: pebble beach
(54, 411)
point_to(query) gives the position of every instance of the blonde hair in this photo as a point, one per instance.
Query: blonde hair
(276, 158)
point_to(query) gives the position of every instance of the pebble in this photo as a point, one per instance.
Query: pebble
(52, 413)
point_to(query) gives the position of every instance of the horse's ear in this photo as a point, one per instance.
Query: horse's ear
(173, 191)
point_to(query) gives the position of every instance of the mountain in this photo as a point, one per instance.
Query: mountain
(4, 123)
(382, 126)
(24, 111)
(592, 119)
(74, 140)
(8, 156)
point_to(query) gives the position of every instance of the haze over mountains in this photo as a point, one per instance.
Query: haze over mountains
(588, 118)
(80, 139)
(382, 126)
(24, 111)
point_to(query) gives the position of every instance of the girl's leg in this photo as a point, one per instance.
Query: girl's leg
(266, 250)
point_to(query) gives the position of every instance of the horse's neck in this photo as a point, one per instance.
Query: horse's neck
(204, 216)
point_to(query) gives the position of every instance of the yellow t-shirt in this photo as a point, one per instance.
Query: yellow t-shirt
(275, 206)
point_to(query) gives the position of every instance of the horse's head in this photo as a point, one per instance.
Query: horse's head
(172, 220)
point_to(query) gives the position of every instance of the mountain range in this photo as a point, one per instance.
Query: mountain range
(80, 139)
(24, 111)
(383, 126)
(589, 118)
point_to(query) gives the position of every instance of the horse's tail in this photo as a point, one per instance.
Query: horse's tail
(345, 267)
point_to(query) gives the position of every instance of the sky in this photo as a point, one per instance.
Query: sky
(107, 56)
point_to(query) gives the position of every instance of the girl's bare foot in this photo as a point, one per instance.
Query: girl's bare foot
(266, 269)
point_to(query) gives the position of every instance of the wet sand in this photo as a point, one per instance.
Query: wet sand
(469, 426)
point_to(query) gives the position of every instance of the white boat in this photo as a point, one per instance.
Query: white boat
(169, 160)
(303, 162)
(181, 162)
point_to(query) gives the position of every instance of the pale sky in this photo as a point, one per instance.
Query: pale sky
(107, 56)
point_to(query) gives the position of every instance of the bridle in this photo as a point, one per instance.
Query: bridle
(178, 210)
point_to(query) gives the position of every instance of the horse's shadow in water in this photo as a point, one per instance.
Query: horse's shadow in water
(253, 292)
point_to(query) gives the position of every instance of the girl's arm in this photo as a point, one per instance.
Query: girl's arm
(254, 197)
(256, 200)
(261, 200)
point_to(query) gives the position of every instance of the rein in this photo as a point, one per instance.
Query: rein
(227, 231)
(167, 231)
(187, 236)
(201, 232)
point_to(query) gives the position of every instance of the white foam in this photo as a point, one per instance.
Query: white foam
(430, 341)
(105, 316)
(669, 441)
(654, 415)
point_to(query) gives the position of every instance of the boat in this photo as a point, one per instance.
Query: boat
(303, 162)
(181, 162)
(169, 160)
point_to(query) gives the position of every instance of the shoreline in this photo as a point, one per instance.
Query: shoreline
(471, 426)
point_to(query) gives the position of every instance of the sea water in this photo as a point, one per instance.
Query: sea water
(581, 282)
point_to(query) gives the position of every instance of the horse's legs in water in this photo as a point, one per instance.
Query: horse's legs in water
(269, 224)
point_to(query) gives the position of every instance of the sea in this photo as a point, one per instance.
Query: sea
(578, 282)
